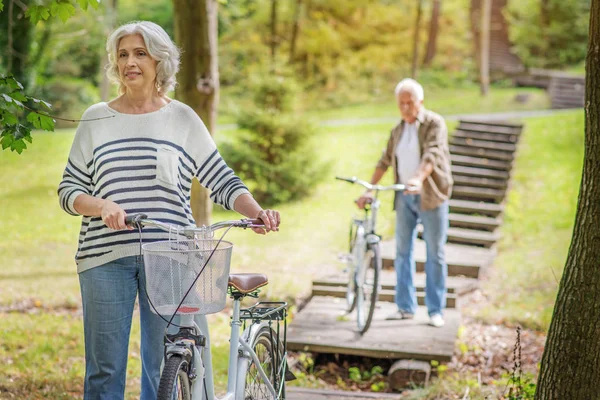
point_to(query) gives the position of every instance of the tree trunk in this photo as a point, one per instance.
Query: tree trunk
(433, 32)
(196, 34)
(273, 32)
(484, 46)
(110, 18)
(413, 73)
(295, 30)
(571, 362)
(15, 40)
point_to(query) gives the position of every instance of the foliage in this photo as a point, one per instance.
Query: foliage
(15, 130)
(63, 9)
(550, 38)
(275, 156)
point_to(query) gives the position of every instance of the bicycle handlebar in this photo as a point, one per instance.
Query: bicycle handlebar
(355, 180)
(142, 220)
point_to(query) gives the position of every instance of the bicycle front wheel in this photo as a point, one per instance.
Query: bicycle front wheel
(368, 287)
(174, 381)
(270, 356)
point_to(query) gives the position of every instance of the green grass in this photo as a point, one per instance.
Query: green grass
(538, 221)
(38, 272)
(442, 101)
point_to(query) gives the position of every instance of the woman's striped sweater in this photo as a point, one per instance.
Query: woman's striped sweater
(145, 163)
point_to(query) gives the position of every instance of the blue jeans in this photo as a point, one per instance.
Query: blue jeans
(435, 230)
(108, 293)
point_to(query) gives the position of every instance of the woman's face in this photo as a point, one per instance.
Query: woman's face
(136, 68)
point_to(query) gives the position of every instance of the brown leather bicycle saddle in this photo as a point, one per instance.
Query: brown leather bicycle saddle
(247, 282)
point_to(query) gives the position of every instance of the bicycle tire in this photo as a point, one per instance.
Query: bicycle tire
(351, 289)
(264, 344)
(174, 378)
(367, 299)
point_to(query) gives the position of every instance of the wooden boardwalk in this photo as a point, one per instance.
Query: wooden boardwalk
(482, 160)
(295, 393)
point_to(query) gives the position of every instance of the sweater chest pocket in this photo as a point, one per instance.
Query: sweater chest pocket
(167, 163)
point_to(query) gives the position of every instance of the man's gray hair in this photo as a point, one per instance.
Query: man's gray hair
(160, 47)
(411, 86)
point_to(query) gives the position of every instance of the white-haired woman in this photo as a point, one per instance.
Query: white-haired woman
(418, 152)
(136, 153)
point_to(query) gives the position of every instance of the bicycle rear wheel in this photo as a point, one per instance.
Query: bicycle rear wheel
(270, 355)
(174, 380)
(368, 287)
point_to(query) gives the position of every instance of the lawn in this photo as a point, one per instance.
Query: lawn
(41, 349)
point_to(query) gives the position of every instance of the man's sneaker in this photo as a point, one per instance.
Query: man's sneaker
(400, 315)
(437, 320)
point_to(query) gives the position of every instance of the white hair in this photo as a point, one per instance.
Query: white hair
(160, 47)
(411, 86)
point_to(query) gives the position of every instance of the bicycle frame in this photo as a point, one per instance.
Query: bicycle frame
(198, 351)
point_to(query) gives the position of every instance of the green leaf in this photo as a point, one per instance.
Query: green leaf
(18, 146)
(28, 138)
(83, 4)
(10, 100)
(6, 141)
(37, 13)
(39, 102)
(8, 118)
(94, 3)
(1, 6)
(18, 96)
(63, 10)
(41, 121)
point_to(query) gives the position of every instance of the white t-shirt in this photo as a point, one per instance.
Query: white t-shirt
(408, 153)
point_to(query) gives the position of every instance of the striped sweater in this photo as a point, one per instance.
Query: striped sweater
(145, 163)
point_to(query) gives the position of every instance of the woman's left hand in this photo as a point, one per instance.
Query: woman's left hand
(270, 218)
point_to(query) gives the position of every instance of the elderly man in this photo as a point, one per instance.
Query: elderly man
(418, 152)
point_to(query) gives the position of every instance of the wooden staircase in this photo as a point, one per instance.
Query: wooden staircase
(482, 155)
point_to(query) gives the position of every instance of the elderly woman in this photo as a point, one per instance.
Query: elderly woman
(418, 152)
(136, 153)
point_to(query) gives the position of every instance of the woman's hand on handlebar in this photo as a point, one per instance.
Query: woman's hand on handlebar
(362, 201)
(270, 218)
(113, 216)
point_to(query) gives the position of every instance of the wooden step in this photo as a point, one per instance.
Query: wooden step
(491, 137)
(469, 236)
(492, 123)
(463, 180)
(322, 326)
(480, 162)
(468, 261)
(480, 152)
(478, 193)
(458, 285)
(483, 144)
(475, 207)
(384, 295)
(474, 222)
(491, 127)
(479, 172)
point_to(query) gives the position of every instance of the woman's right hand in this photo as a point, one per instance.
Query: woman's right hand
(362, 201)
(113, 215)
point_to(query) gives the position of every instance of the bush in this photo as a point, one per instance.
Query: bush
(275, 155)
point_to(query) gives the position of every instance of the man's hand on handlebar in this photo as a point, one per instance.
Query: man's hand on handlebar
(413, 186)
(365, 199)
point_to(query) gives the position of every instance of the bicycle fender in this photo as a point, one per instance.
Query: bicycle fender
(373, 239)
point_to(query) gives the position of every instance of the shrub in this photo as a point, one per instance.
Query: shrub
(275, 154)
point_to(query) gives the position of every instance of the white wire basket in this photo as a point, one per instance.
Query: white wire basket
(171, 268)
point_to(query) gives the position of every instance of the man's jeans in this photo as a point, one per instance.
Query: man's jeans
(435, 229)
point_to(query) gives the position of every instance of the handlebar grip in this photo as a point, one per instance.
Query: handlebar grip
(133, 219)
(351, 180)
